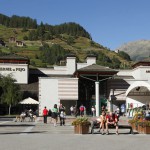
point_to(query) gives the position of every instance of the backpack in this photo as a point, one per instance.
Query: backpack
(82, 108)
(49, 112)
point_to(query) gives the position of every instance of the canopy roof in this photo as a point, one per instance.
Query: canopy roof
(95, 69)
(29, 100)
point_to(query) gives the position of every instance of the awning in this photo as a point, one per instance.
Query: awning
(29, 100)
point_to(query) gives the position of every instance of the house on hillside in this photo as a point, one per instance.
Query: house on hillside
(12, 40)
(20, 43)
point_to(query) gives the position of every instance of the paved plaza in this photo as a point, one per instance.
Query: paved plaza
(38, 136)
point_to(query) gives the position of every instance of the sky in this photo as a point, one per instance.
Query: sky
(111, 23)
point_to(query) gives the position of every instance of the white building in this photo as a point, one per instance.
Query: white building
(81, 83)
(16, 66)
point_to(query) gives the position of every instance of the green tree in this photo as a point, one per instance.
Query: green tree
(10, 91)
(116, 62)
(124, 55)
(53, 54)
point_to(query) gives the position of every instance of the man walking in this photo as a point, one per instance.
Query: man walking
(45, 113)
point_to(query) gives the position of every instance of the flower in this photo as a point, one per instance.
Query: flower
(81, 121)
(137, 117)
(144, 123)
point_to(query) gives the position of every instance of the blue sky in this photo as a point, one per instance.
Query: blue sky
(111, 23)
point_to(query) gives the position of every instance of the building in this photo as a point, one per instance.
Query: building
(18, 67)
(20, 43)
(12, 40)
(81, 83)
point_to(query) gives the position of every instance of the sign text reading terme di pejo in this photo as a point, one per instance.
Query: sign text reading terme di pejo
(12, 69)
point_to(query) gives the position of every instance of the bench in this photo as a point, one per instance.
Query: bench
(95, 125)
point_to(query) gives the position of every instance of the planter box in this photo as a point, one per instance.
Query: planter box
(140, 129)
(146, 130)
(133, 126)
(81, 129)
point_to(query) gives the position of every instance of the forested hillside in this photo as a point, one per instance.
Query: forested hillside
(46, 45)
(43, 31)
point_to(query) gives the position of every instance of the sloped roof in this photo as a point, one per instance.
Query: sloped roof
(144, 62)
(96, 68)
(29, 100)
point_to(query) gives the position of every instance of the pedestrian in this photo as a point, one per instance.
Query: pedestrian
(93, 111)
(72, 110)
(62, 115)
(50, 115)
(82, 109)
(55, 114)
(76, 111)
(45, 113)
(118, 112)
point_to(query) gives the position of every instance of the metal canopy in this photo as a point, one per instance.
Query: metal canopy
(97, 74)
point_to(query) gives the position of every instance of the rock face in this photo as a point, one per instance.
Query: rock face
(138, 50)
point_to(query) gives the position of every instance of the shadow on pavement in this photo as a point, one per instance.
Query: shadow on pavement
(15, 125)
(22, 132)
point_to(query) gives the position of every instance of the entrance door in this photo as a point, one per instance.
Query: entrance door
(67, 104)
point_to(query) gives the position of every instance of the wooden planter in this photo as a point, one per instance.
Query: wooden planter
(143, 129)
(140, 129)
(81, 129)
(146, 130)
(133, 126)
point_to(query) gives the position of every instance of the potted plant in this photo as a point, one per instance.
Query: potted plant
(144, 126)
(81, 125)
(135, 120)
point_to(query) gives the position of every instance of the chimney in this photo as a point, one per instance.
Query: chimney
(91, 59)
(71, 63)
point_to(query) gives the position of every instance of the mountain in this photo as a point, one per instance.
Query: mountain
(45, 45)
(137, 50)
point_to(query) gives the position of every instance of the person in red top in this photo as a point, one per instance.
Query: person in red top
(45, 113)
(111, 119)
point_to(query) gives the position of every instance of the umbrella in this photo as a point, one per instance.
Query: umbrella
(29, 100)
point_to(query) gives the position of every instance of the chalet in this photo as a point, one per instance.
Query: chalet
(20, 43)
(12, 40)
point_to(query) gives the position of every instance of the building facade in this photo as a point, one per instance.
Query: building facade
(75, 83)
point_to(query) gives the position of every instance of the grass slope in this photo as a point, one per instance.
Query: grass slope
(80, 46)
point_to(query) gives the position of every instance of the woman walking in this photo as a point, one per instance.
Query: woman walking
(55, 114)
(62, 115)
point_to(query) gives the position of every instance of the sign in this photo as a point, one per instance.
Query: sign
(18, 72)
(12, 69)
